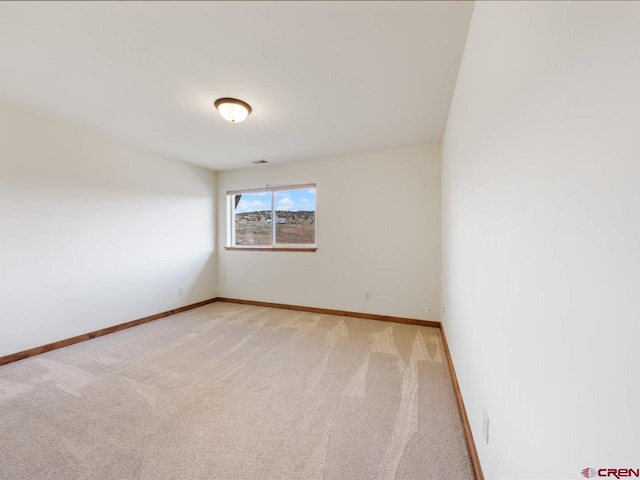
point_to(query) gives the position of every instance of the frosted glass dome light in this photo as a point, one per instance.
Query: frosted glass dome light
(232, 109)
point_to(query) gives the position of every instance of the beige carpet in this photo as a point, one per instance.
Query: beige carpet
(230, 391)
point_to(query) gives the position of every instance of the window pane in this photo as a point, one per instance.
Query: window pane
(253, 218)
(296, 216)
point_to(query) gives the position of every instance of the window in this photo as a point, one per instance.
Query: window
(272, 218)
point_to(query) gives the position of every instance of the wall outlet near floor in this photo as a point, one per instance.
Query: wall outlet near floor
(429, 310)
(180, 292)
(367, 296)
(485, 425)
(443, 310)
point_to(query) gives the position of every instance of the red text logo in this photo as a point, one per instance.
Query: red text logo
(611, 472)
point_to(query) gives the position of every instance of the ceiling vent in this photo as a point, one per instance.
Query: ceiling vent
(259, 162)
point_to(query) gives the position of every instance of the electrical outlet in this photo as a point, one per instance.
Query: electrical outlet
(429, 310)
(180, 292)
(367, 296)
(485, 425)
(442, 310)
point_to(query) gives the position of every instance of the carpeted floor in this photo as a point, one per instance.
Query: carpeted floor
(229, 391)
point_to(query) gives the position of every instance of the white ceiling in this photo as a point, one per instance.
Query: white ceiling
(323, 78)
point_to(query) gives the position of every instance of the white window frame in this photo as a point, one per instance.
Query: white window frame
(231, 220)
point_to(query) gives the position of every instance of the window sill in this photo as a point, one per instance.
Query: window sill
(257, 248)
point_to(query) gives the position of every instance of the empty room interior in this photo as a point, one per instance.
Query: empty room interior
(299, 240)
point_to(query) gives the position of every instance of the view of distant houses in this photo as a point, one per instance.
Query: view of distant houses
(254, 228)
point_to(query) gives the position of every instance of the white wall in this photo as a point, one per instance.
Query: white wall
(378, 230)
(94, 232)
(541, 235)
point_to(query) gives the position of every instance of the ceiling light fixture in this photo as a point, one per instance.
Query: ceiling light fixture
(232, 109)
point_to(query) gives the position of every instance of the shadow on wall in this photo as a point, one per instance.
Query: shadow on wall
(37, 149)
